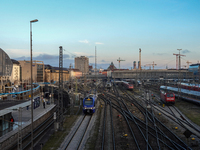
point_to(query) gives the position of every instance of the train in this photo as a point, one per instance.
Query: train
(167, 97)
(127, 85)
(89, 103)
(108, 85)
(189, 86)
(184, 94)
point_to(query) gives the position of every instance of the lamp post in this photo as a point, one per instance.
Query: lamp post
(32, 21)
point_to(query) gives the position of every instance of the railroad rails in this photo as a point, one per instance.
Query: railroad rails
(108, 127)
(175, 115)
(37, 132)
(144, 130)
(74, 140)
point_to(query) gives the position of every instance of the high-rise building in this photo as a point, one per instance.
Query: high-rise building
(82, 63)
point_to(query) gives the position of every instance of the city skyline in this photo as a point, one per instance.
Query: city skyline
(117, 29)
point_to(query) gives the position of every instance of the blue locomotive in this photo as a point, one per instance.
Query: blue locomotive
(89, 104)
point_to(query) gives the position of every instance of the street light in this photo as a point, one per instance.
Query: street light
(32, 21)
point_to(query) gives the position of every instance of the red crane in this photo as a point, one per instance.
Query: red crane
(178, 60)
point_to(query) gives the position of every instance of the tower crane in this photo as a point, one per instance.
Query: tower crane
(188, 62)
(119, 61)
(178, 60)
(153, 64)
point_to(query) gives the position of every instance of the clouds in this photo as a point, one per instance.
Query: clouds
(91, 56)
(49, 59)
(103, 60)
(87, 42)
(84, 41)
(98, 43)
(186, 51)
(159, 54)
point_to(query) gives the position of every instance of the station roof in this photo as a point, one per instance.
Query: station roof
(7, 106)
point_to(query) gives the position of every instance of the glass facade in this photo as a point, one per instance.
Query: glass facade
(6, 64)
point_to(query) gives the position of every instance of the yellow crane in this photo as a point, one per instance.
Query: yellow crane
(188, 62)
(151, 65)
(119, 61)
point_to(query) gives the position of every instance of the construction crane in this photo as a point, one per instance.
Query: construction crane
(188, 62)
(151, 65)
(119, 61)
(178, 61)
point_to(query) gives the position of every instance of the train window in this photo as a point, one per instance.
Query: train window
(90, 102)
(170, 95)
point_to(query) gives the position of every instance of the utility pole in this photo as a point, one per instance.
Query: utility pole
(20, 129)
(179, 89)
(96, 69)
(85, 77)
(60, 91)
(119, 61)
(140, 58)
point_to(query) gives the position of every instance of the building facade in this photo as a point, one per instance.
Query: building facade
(15, 76)
(52, 74)
(6, 67)
(38, 71)
(82, 63)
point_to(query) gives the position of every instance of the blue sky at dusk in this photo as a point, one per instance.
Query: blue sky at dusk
(118, 28)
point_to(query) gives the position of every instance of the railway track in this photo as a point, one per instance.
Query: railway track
(176, 116)
(37, 132)
(74, 140)
(108, 136)
(146, 130)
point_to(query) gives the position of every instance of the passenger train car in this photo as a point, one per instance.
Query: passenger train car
(167, 97)
(127, 85)
(187, 95)
(89, 103)
(188, 86)
(108, 85)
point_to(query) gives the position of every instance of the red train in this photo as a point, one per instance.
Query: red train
(167, 98)
(194, 87)
(127, 85)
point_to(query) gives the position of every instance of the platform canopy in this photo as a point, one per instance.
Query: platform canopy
(6, 64)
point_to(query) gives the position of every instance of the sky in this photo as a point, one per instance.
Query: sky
(118, 28)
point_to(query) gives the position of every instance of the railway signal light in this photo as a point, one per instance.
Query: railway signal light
(12, 120)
